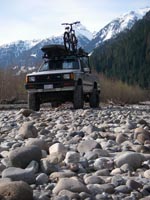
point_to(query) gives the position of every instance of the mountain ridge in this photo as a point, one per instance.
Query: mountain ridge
(27, 53)
(123, 23)
(126, 57)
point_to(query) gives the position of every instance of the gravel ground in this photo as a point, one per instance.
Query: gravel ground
(63, 154)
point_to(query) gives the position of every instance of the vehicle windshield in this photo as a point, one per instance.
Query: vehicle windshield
(59, 64)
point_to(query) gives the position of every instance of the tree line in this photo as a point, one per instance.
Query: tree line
(126, 57)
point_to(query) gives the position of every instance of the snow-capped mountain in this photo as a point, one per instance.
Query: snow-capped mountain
(123, 23)
(29, 54)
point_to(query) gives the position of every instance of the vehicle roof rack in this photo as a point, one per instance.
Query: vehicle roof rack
(52, 51)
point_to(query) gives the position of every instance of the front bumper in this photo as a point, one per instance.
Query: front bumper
(51, 90)
(52, 87)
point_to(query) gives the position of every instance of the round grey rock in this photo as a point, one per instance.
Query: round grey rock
(87, 145)
(72, 184)
(18, 174)
(22, 156)
(133, 159)
(42, 179)
(28, 130)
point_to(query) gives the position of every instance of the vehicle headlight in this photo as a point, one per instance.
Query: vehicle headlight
(31, 78)
(66, 76)
(69, 76)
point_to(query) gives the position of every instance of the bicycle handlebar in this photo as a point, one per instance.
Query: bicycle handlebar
(77, 22)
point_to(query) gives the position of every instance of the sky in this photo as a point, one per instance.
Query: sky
(40, 19)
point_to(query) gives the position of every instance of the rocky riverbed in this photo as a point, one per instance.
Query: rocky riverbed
(66, 154)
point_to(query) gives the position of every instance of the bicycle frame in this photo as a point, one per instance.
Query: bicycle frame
(70, 40)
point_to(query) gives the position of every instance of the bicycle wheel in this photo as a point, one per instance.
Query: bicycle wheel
(74, 42)
(66, 41)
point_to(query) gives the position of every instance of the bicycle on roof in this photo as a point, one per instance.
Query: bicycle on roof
(70, 39)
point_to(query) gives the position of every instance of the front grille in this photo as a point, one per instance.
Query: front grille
(56, 80)
(49, 78)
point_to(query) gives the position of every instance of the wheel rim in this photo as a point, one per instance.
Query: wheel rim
(66, 41)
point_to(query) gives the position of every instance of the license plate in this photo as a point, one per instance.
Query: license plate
(47, 87)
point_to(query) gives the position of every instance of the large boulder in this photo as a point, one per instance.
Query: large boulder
(141, 135)
(87, 145)
(28, 130)
(22, 156)
(72, 184)
(42, 144)
(133, 159)
(18, 174)
(57, 148)
(17, 190)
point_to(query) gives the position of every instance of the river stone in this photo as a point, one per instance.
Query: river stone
(101, 152)
(69, 194)
(90, 155)
(27, 130)
(102, 172)
(118, 180)
(94, 180)
(141, 135)
(90, 129)
(138, 130)
(143, 122)
(87, 145)
(17, 190)
(56, 158)
(26, 112)
(47, 167)
(58, 175)
(126, 168)
(121, 138)
(128, 158)
(42, 178)
(72, 184)
(33, 166)
(2, 180)
(57, 148)
(38, 142)
(143, 138)
(147, 174)
(22, 156)
(122, 189)
(18, 174)
(115, 171)
(134, 185)
(102, 163)
(64, 197)
(100, 188)
(72, 157)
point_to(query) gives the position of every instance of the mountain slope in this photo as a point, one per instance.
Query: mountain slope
(127, 57)
(28, 53)
(116, 26)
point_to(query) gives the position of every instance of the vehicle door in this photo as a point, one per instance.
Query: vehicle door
(86, 75)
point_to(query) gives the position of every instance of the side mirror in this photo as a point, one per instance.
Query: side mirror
(87, 70)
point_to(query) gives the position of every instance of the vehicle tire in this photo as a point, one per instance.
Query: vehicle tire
(67, 41)
(78, 98)
(94, 99)
(74, 42)
(55, 104)
(33, 102)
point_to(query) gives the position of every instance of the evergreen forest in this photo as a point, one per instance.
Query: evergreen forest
(126, 57)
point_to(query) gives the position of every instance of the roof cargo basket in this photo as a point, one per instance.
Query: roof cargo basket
(53, 51)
